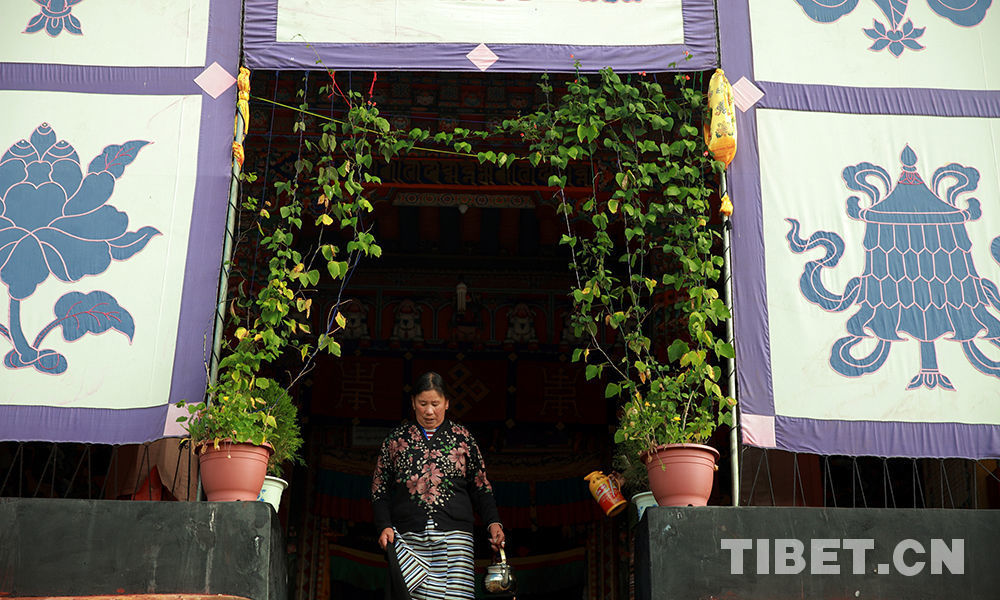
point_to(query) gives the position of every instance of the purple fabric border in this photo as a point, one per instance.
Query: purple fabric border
(879, 101)
(85, 425)
(753, 344)
(754, 380)
(211, 195)
(208, 217)
(109, 80)
(263, 52)
(867, 438)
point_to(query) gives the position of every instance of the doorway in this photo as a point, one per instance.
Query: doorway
(472, 284)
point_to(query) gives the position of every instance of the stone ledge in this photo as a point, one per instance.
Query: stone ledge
(76, 548)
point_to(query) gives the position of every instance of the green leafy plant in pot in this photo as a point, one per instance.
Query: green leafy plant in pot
(286, 437)
(272, 326)
(285, 440)
(248, 426)
(643, 242)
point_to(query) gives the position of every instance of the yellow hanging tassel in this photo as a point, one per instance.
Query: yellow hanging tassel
(238, 153)
(727, 206)
(720, 126)
(243, 102)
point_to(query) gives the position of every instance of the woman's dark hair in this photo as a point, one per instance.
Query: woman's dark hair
(430, 381)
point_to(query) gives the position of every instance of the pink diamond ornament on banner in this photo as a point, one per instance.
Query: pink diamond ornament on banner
(482, 57)
(215, 80)
(746, 94)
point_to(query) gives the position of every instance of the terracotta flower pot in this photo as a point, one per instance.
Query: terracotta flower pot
(234, 471)
(681, 474)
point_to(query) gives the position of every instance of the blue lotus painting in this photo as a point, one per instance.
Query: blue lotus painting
(894, 34)
(55, 220)
(55, 17)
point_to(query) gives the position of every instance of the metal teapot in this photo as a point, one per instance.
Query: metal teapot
(499, 578)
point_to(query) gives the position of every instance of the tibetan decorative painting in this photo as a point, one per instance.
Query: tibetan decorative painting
(114, 178)
(866, 233)
(464, 35)
(876, 43)
(108, 34)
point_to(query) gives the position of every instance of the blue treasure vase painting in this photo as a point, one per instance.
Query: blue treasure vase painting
(919, 284)
(866, 237)
(55, 220)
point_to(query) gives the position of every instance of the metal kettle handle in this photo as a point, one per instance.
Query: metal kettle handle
(505, 579)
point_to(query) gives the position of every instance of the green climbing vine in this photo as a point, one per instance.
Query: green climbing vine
(641, 238)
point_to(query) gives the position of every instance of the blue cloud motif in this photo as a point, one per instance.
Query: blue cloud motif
(966, 13)
(897, 36)
(54, 17)
(56, 220)
(827, 11)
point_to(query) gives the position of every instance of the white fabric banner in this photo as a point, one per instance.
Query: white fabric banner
(856, 44)
(115, 169)
(155, 190)
(809, 187)
(577, 22)
(150, 33)
(866, 235)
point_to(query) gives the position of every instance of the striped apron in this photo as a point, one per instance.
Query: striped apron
(437, 565)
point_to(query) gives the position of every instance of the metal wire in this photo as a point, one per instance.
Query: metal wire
(67, 470)
(51, 459)
(887, 492)
(10, 470)
(854, 481)
(83, 455)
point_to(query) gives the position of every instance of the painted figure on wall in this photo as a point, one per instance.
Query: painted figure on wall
(406, 326)
(521, 325)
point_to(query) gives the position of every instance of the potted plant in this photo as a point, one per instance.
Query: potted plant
(646, 262)
(231, 432)
(285, 440)
(247, 428)
(272, 325)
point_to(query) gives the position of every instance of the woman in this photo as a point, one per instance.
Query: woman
(429, 476)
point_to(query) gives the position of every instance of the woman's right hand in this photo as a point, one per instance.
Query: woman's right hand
(386, 538)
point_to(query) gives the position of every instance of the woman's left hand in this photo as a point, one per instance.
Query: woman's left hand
(496, 536)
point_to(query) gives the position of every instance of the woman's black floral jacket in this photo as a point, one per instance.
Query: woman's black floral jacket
(439, 479)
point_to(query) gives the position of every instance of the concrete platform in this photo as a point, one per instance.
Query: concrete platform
(765, 553)
(115, 548)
